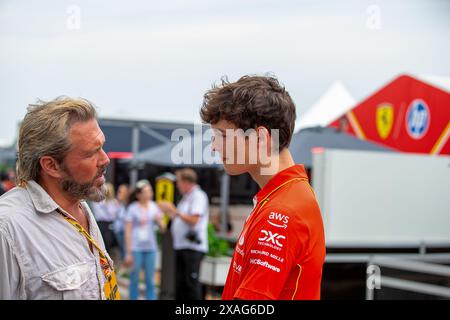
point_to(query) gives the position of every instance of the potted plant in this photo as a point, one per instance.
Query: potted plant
(214, 267)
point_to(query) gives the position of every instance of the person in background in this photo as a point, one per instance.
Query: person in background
(190, 234)
(140, 239)
(122, 198)
(8, 181)
(105, 213)
(3, 178)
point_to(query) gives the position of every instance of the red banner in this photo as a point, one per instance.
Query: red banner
(407, 115)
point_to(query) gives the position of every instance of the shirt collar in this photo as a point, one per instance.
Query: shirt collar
(40, 198)
(188, 194)
(296, 171)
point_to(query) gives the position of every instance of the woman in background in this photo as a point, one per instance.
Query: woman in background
(106, 212)
(122, 198)
(141, 216)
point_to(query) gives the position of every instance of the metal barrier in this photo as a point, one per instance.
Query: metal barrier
(375, 280)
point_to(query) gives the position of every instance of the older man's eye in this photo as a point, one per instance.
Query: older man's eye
(91, 154)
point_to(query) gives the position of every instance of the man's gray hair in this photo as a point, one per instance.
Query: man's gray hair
(45, 132)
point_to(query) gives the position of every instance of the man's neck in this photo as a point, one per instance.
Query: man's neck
(66, 202)
(189, 190)
(262, 174)
(69, 204)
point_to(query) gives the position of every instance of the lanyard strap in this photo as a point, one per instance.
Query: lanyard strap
(110, 289)
(106, 267)
(81, 230)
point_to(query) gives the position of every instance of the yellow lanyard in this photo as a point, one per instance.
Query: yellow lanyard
(110, 288)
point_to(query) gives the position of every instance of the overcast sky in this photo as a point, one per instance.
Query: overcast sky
(153, 60)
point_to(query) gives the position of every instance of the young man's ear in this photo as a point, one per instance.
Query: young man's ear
(264, 140)
(264, 146)
(50, 166)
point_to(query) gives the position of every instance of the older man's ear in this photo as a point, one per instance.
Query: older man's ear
(50, 167)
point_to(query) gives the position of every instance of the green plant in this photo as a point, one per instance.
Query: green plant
(217, 247)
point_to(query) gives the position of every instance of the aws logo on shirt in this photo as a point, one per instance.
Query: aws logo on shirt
(278, 220)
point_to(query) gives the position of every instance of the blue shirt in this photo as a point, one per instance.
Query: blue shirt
(119, 223)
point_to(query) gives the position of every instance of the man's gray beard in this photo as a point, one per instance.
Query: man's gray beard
(85, 191)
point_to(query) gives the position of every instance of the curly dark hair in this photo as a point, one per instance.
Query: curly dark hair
(250, 102)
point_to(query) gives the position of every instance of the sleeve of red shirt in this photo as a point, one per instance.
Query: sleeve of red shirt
(266, 268)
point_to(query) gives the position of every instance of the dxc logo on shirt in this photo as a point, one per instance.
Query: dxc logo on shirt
(272, 237)
(278, 217)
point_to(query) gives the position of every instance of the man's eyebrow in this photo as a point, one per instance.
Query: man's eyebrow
(100, 133)
(100, 146)
(102, 137)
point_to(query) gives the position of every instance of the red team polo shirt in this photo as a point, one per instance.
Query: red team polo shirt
(281, 249)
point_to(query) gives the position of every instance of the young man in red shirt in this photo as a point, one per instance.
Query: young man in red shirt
(281, 249)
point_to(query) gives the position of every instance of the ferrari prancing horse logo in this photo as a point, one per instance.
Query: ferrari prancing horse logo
(385, 119)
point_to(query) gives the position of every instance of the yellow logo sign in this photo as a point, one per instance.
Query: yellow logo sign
(385, 119)
(165, 191)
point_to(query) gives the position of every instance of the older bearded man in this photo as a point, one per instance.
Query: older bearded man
(50, 244)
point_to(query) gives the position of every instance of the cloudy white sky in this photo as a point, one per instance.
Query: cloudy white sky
(154, 60)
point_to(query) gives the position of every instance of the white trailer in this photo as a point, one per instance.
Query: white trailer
(383, 200)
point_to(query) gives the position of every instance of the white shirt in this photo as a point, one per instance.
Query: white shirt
(193, 203)
(106, 210)
(42, 256)
(143, 222)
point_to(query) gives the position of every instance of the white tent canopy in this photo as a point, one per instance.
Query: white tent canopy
(335, 102)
